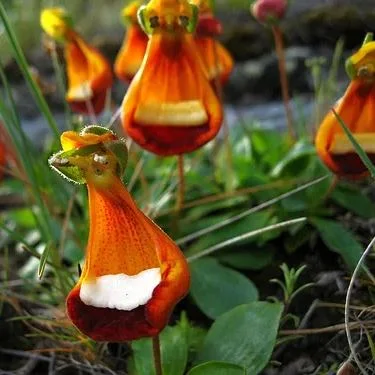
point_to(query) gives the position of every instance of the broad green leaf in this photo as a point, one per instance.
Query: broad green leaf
(268, 147)
(244, 336)
(174, 352)
(354, 201)
(217, 368)
(24, 217)
(216, 289)
(339, 239)
(295, 161)
(248, 258)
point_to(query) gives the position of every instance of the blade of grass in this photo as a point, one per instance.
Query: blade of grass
(22, 62)
(359, 150)
(245, 236)
(252, 210)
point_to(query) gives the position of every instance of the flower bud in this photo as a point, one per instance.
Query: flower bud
(269, 11)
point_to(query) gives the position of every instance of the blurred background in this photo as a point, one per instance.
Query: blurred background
(319, 35)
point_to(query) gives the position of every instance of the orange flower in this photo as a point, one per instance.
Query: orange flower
(133, 274)
(89, 73)
(170, 107)
(131, 54)
(357, 109)
(217, 59)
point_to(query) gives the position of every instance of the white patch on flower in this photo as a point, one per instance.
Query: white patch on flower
(81, 92)
(121, 291)
(184, 113)
(101, 159)
(342, 145)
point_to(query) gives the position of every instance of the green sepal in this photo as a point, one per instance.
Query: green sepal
(146, 26)
(350, 69)
(368, 38)
(119, 149)
(95, 129)
(192, 24)
(59, 162)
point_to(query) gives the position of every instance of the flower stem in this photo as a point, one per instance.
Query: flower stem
(279, 45)
(157, 355)
(181, 184)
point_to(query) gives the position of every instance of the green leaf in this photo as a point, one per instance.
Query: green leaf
(358, 149)
(244, 336)
(247, 259)
(295, 161)
(217, 368)
(339, 239)
(354, 201)
(43, 260)
(174, 352)
(216, 289)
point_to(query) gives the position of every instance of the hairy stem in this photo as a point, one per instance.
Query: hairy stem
(181, 184)
(157, 355)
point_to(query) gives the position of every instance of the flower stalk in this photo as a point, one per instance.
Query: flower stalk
(279, 46)
(157, 355)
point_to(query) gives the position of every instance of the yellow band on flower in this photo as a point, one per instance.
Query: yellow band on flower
(56, 22)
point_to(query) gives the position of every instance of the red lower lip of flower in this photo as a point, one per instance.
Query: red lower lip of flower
(167, 140)
(350, 165)
(105, 324)
(96, 103)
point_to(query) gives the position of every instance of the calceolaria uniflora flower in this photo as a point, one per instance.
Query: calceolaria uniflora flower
(88, 71)
(133, 274)
(130, 56)
(357, 110)
(170, 107)
(217, 60)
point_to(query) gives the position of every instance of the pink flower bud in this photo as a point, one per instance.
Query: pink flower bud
(269, 11)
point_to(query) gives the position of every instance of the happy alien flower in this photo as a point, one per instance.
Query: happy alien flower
(133, 49)
(133, 274)
(88, 72)
(357, 110)
(170, 107)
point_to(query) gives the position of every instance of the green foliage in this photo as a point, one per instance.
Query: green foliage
(244, 336)
(338, 238)
(217, 289)
(243, 215)
(174, 352)
(217, 368)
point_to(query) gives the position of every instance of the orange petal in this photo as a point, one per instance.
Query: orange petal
(357, 110)
(124, 242)
(89, 75)
(217, 59)
(71, 139)
(131, 54)
(170, 107)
